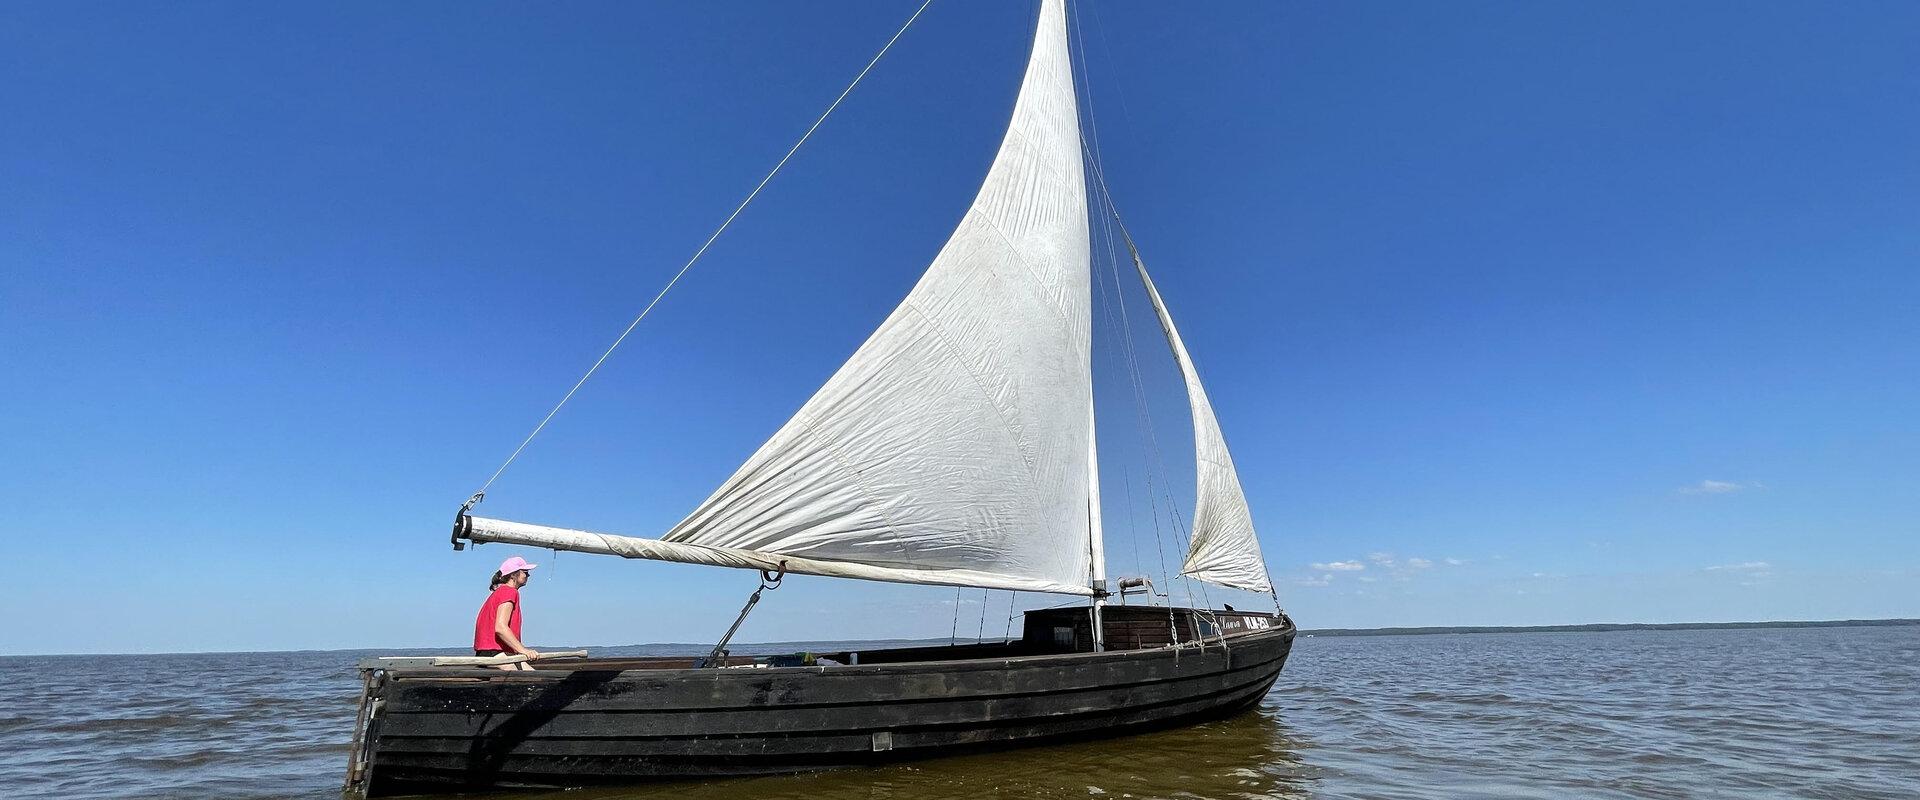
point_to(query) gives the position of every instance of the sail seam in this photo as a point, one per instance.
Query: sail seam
(1014, 431)
(859, 477)
(1022, 260)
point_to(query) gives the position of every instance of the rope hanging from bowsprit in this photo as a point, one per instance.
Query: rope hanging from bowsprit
(482, 493)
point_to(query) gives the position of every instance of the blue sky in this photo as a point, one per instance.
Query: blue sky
(1514, 313)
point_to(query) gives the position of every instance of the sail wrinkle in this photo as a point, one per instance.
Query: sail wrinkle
(1037, 282)
(892, 532)
(1008, 424)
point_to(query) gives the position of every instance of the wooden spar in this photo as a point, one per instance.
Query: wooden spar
(482, 529)
(393, 662)
(494, 661)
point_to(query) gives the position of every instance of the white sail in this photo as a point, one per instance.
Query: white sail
(954, 446)
(1224, 549)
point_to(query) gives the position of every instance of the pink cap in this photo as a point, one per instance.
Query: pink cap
(515, 564)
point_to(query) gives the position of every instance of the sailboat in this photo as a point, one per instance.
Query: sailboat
(956, 447)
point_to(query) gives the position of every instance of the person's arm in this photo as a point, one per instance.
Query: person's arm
(504, 632)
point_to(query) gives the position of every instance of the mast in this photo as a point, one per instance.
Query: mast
(1096, 535)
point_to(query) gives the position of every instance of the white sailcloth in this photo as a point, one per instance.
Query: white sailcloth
(954, 446)
(1224, 549)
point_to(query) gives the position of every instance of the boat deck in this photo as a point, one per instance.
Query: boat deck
(1045, 632)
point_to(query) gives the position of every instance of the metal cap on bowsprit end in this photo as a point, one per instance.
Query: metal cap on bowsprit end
(462, 529)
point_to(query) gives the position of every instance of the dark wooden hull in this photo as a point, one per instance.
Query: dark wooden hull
(443, 729)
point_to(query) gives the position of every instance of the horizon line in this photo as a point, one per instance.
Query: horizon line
(1581, 627)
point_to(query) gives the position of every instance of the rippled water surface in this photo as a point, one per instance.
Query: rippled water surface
(1827, 712)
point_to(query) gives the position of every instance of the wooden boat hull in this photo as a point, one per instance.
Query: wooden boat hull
(444, 729)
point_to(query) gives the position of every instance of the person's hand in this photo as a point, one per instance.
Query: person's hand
(531, 654)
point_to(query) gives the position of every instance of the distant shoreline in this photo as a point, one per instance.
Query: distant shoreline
(1603, 627)
(1608, 627)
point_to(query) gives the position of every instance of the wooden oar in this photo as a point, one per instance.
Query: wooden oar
(416, 662)
(494, 661)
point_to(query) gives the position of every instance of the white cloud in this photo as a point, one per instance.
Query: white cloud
(1717, 487)
(1321, 580)
(1383, 559)
(1757, 568)
(1749, 573)
(1419, 563)
(1454, 562)
(1338, 566)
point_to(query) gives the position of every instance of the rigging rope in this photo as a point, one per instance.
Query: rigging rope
(1173, 629)
(700, 252)
(1123, 346)
(1097, 167)
(953, 636)
(1145, 412)
(1144, 418)
(981, 634)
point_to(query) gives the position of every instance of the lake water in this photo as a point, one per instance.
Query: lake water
(1824, 712)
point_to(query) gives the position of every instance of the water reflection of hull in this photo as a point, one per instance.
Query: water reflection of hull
(619, 721)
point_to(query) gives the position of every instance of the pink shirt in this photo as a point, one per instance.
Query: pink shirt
(483, 636)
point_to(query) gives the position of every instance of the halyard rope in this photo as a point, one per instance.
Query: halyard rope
(1108, 219)
(1098, 168)
(700, 252)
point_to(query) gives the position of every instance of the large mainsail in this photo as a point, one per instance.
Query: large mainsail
(1224, 549)
(954, 447)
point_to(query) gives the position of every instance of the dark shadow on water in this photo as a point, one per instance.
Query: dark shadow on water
(1253, 755)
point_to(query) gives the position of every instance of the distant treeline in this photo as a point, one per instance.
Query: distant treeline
(1603, 627)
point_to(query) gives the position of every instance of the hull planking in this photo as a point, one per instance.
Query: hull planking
(616, 721)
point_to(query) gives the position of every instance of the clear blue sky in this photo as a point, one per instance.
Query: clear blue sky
(1600, 312)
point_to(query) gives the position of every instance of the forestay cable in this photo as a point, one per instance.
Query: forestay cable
(1096, 165)
(1144, 417)
(700, 252)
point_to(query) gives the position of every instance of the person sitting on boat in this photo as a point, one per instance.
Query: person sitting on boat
(497, 630)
